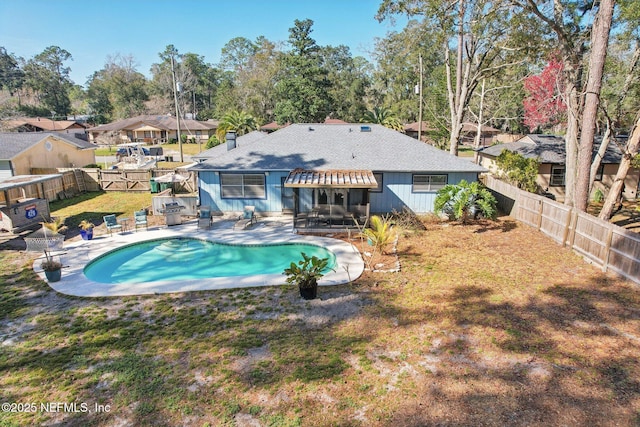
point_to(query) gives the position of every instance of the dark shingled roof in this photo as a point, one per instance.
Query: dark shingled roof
(248, 138)
(548, 149)
(336, 146)
(14, 143)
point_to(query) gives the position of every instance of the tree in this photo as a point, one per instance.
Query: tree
(472, 29)
(11, 76)
(629, 156)
(544, 106)
(302, 88)
(255, 81)
(350, 82)
(591, 101)
(209, 82)
(117, 91)
(621, 94)
(237, 53)
(567, 26)
(200, 88)
(465, 200)
(48, 78)
(384, 117)
(173, 75)
(238, 121)
(397, 73)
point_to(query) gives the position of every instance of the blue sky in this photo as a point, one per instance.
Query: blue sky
(94, 29)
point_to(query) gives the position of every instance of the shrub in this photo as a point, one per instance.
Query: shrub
(465, 200)
(518, 170)
(598, 196)
(407, 219)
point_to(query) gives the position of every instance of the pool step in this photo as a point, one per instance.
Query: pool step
(182, 249)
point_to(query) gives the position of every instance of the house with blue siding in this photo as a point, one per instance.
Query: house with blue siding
(337, 170)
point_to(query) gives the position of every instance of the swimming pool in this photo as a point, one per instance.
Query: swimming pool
(191, 258)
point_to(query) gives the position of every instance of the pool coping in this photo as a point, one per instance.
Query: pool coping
(75, 255)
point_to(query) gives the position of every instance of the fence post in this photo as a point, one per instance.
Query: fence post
(607, 249)
(572, 237)
(567, 227)
(541, 202)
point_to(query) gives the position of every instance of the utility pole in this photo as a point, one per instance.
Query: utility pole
(175, 99)
(420, 110)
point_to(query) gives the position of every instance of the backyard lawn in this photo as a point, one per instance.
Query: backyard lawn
(190, 149)
(486, 324)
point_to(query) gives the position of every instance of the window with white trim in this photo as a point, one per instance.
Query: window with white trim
(557, 176)
(428, 183)
(242, 186)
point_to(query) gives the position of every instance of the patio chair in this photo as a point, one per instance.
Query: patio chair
(205, 220)
(111, 223)
(247, 218)
(140, 218)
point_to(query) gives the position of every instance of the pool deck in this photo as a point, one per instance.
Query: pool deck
(349, 264)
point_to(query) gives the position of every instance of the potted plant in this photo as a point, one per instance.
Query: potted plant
(86, 229)
(55, 225)
(52, 269)
(306, 273)
(52, 242)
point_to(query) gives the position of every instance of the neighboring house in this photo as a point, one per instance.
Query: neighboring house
(488, 134)
(21, 151)
(154, 129)
(40, 124)
(272, 127)
(353, 168)
(412, 129)
(550, 152)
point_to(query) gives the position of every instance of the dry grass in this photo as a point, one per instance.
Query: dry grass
(488, 324)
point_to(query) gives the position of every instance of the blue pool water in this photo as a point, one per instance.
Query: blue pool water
(188, 259)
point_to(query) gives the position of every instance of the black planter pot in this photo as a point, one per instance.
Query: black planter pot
(309, 292)
(53, 276)
(86, 234)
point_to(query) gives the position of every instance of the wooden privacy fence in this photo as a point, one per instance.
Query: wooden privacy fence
(607, 245)
(74, 181)
(125, 180)
(140, 180)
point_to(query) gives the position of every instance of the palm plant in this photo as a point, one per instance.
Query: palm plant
(236, 120)
(465, 200)
(384, 117)
(379, 232)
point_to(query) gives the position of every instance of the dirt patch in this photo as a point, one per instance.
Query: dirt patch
(627, 216)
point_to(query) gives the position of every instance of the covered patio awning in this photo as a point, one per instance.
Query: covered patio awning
(331, 178)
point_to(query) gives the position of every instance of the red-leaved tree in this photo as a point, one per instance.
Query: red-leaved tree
(544, 106)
